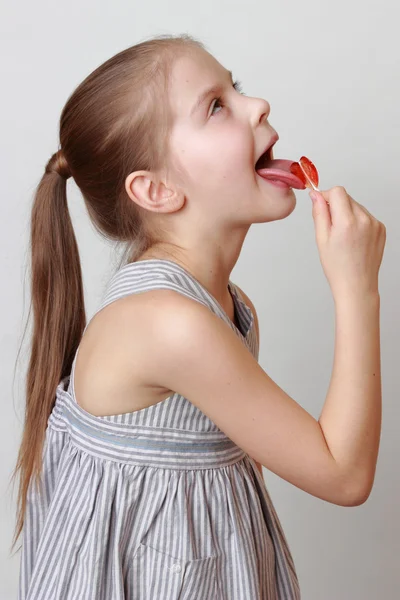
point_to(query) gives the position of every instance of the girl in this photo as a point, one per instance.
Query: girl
(140, 463)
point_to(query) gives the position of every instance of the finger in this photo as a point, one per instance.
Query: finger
(322, 216)
(340, 204)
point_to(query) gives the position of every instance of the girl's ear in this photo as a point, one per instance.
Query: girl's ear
(144, 188)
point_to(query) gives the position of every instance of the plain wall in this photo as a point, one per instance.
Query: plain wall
(331, 74)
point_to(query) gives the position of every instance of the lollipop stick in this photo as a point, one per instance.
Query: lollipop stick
(314, 186)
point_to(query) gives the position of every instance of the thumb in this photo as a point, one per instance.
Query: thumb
(321, 215)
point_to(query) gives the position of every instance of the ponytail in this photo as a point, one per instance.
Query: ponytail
(58, 317)
(112, 124)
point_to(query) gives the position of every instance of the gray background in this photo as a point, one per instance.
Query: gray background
(330, 71)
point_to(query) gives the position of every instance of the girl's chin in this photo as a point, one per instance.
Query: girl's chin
(276, 203)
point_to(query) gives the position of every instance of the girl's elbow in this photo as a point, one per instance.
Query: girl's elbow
(358, 496)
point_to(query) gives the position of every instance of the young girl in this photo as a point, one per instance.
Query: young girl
(140, 463)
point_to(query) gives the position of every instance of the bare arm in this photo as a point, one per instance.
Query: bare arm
(195, 353)
(351, 415)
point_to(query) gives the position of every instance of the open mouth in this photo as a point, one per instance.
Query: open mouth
(277, 169)
(266, 158)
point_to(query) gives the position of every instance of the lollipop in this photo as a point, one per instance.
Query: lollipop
(299, 175)
(306, 172)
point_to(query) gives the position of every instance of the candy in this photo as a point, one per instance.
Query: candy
(306, 171)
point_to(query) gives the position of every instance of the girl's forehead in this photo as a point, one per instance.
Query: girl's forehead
(191, 75)
(196, 64)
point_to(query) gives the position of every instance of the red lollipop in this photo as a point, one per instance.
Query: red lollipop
(306, 171)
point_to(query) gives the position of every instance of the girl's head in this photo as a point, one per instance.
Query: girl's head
(153, 164)
(208, 185)
(155, 167)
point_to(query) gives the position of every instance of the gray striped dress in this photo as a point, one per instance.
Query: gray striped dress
(155, 504)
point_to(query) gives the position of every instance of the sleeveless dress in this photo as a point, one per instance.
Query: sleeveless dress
(155, 504)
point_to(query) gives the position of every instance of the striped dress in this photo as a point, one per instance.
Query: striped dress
(154, 504)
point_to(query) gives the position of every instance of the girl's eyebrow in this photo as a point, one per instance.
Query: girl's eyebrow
(215, 89)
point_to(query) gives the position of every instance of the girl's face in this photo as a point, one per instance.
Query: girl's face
(215, 143)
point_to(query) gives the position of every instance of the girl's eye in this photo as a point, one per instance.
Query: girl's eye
(218, 101)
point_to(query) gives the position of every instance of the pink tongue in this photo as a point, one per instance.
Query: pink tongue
(280, 169)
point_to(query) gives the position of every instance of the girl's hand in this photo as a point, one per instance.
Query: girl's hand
(350, 242)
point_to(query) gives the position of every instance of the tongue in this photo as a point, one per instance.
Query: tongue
(280, 169)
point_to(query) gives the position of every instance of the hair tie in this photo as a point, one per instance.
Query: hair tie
(58, 164)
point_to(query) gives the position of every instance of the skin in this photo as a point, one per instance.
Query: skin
(208, 200)
(205, 205)
(215, 148)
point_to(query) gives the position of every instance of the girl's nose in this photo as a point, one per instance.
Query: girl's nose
(264, 110)
(261, 110)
